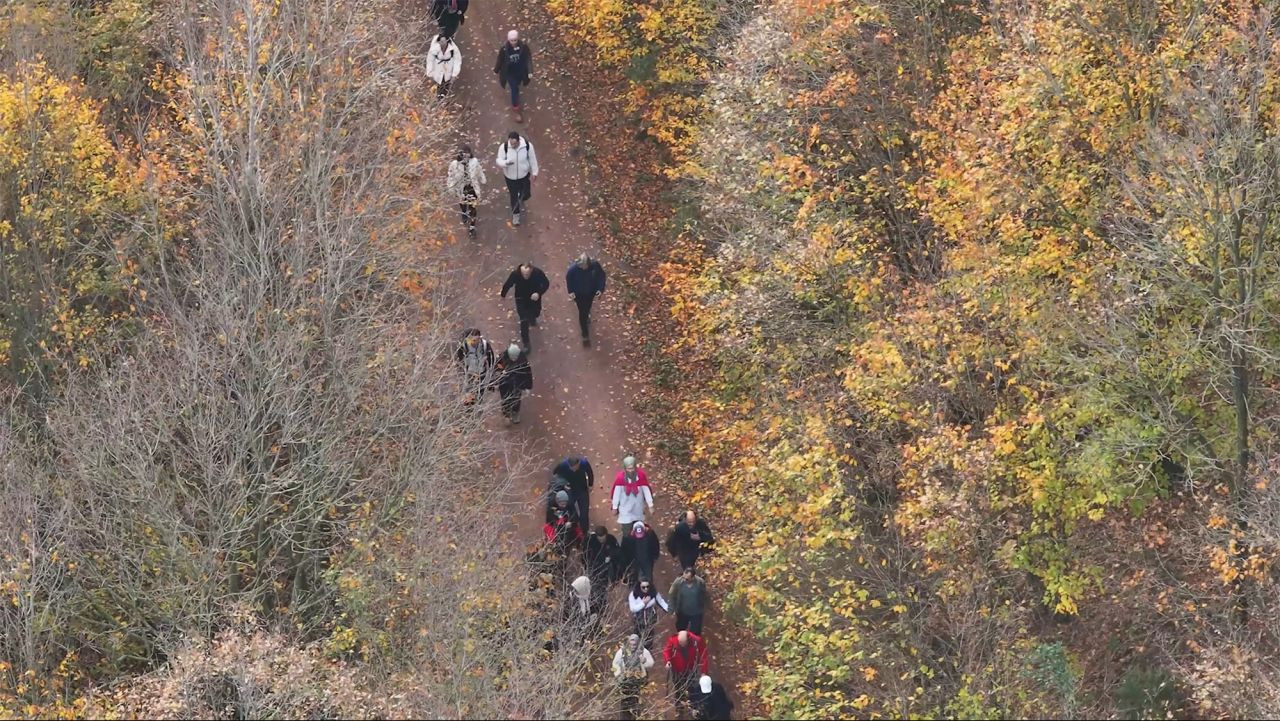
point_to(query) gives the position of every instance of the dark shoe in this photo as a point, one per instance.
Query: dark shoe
(515, 418)
(534, 322)
(586, 342)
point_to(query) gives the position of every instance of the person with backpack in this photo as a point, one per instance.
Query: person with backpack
(449, 15)
(515, 376)
(631, 494)
(639, 551)
(519, 165)
(514, 68)
(644, 602)
(475, 356)
(689, 599)
(581, 479)
(466, 179)
(444, 62)
(690, 540)
(631, 664)
(585, 281)
(709, 701)
(529, 283)
(686, 657)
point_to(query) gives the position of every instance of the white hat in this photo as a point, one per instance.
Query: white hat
(513, 351)
(513, 36)
(705, 683)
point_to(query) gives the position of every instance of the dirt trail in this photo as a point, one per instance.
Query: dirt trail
(581, 401)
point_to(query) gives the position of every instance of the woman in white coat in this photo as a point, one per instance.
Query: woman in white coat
(444, 62)
(466, 180)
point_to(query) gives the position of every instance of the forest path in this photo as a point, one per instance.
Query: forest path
(581, 400)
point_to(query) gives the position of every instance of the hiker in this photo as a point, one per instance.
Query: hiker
(519, 165)
(514, 378)
(644, 602)
(449, 14)
(581, 479)
(579, 616)
(475, 355)
(631, 494)
(466, 178)
(444, 62)
(585, 280)
(631, 664)
(562, 527)
(686, 656)
(639, 551)
(689, 599)
(709, 701)
(529, 284)
(514, 68)
(689, 540)
(602, 557)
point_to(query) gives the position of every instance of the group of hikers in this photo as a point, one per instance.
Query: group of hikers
(631, 561)
(606, 561)
(516, 156)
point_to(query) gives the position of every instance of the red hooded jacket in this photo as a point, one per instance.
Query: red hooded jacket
(684, 660)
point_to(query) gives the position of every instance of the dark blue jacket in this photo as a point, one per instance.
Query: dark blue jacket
(585, 282)
(583, 478)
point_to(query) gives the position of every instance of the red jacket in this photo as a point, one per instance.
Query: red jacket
(683, 660)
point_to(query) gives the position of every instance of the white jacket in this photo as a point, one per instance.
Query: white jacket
(519, 162)
(443, 65)
(630, 508)
(646, 660)
(466, 173)
(637, 604)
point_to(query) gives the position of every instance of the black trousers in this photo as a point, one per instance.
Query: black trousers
(528, 311)
(511, 398)
(443, 88)
(582, 500)
(584, 302)
(468, 206)
(519, 191)
(689, 622)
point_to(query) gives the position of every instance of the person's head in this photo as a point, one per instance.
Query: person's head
(688, 573)
(646, 586)
(638, 529)
(513, 139)
(601, 532)
(582, 586)
(513, 351)
(513, 37)
(464, 153)
(526, 270)
(633, 642)
(690, 517)
(562, 499)
(574, 462)
(682, 638)
(704, 683)
(471, 336)
(584, 261)
(629, 463)
(444, 41)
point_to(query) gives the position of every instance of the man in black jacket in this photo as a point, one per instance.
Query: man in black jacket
(514, 68)
(577, 471)
(530, 283)
(514, 377)
(585, 280)
(449, 14)
(690, 539)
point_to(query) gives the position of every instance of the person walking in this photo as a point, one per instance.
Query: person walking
(585, 281)
(515, 376)
(686, 657)
(444, 62)
(449, 15)
(602, 557)
(519, 163)
(689, 599)
(631, 664)
(709, 701)
(580, 618)
(514, 68)
(581, 479)
(644, 601)
(466, 180)
(475, 355)
(639, 551)
(562, 528)
(690, 540)
(631, 494)
(529, 284)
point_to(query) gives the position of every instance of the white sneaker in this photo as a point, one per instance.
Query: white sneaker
(515, 219)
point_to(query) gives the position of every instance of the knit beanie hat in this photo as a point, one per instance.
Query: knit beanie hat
(513, 36)
(638, 529)
(562, 497)
(513, 351)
